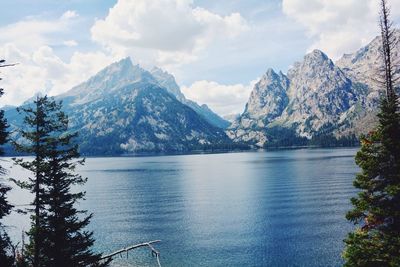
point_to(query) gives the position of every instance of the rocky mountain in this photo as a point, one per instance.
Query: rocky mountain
(126, 109)
(319, 94)
(167, 81)
(267, 101)
(231, 117)
(316, 100)
(362, 65)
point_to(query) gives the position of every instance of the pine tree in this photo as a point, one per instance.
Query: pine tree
(37, 121)
(66, 242)
(6, 258)
(376, 209)
(57, 235)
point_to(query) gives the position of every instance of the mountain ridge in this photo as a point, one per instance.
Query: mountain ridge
(125, 108)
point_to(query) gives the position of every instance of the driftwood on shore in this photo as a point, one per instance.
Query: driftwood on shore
(154, 252)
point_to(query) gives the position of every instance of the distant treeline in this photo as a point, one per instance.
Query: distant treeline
(278, 137)
(285, 137)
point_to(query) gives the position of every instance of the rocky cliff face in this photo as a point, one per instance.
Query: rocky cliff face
(317, 98)
(362, 67)
(168, 82)
(267, 102)
(319, 94)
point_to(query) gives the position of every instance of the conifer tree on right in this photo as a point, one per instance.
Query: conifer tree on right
(376, 209)
(6, 253)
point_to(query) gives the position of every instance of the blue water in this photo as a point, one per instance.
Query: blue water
(275, 208)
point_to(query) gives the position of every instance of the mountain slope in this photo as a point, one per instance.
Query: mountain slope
(362, 67)
(319, 94)
(267, 102)
(167, 81)
(108, 80)
(141, 117)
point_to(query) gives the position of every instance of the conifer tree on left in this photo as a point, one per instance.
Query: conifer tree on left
(57, 235)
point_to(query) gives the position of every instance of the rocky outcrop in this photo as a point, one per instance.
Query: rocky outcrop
(317, 98)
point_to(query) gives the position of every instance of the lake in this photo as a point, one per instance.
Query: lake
(270, 208)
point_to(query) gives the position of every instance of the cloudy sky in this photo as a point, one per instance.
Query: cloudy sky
(216, 49)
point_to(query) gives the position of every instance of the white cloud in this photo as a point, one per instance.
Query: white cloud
(40, 69)
(70, 43)
(170, 31)
(339, 26)
(69, 14)
(31, 33)
(223, 99)
(43, 71)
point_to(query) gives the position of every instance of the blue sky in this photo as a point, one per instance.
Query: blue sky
(215, 49)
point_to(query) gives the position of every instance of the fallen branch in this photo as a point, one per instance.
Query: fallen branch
(154, 252)
(8, 65)
(2, 64)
